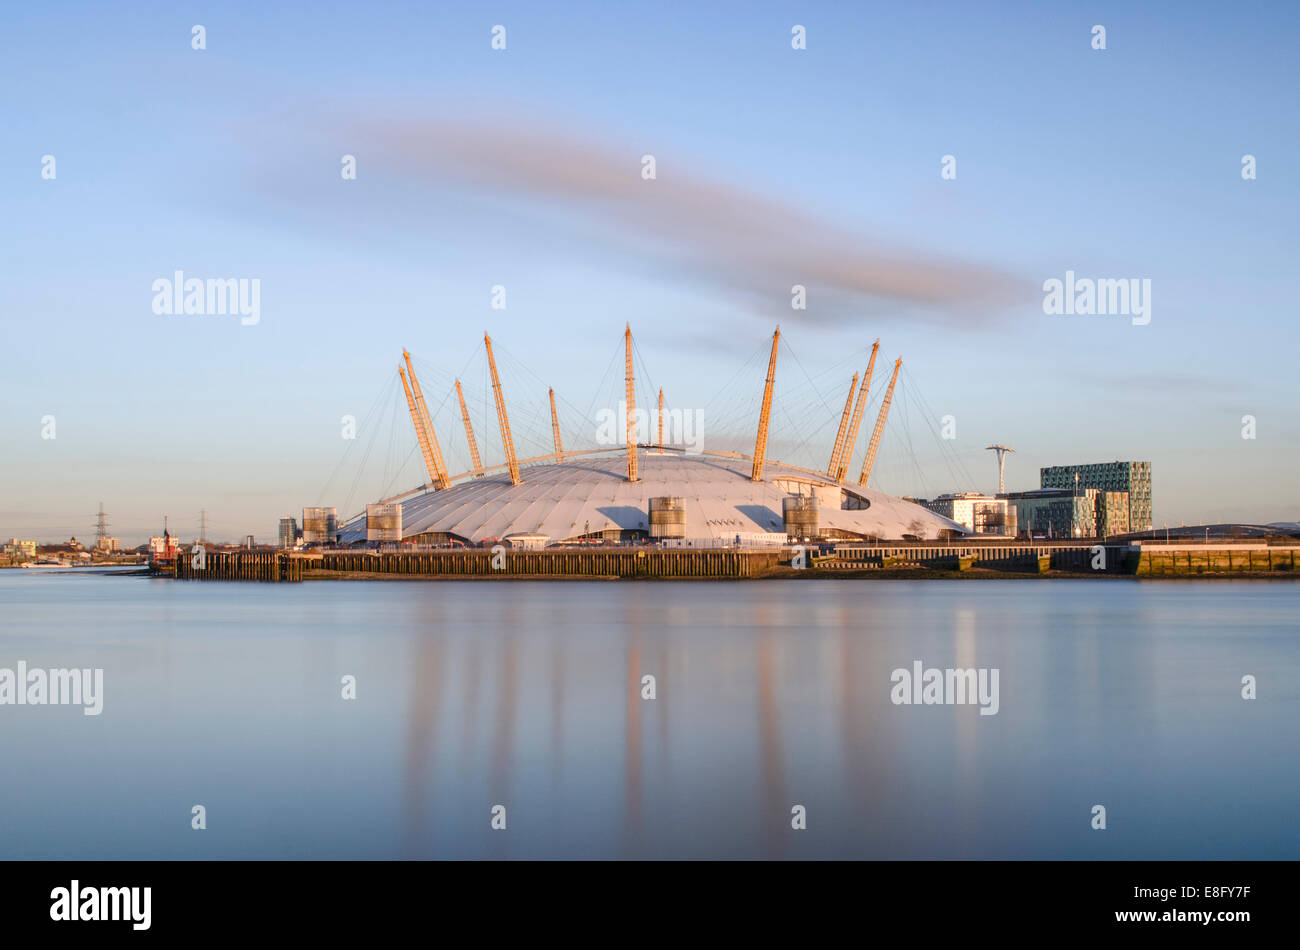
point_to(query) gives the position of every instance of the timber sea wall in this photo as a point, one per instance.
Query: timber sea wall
(625, 563)
(892, 559)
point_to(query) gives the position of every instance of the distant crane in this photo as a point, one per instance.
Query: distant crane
(1002, 451)
(760, 442)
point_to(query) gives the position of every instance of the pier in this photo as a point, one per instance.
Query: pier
(1193, 559)
(1017, 557)
(624, 563)
(272, 566)
(607, 563)
(1009, 557)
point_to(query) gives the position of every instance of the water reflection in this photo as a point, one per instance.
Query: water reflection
(632, 738)
(557, 710)
(772, 768)
(767, 696)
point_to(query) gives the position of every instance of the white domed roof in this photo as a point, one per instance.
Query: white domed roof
(590, 494)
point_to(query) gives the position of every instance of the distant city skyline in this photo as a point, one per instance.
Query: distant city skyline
(524, 169)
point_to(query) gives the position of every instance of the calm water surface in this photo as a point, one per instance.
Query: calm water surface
(771, 694)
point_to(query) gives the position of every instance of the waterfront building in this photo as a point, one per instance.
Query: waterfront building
(384, 522)
(1055, 512)
(977, 512)
(1112, 512)
(321, 525)
(588, 499)
(289, 533)
(1131, 477)
(641, 491)
(743, 539)
(20, 549)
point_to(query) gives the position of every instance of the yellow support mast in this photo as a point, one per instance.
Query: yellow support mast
(469, 433)
(435, 449)
(419, 430)
(880, 426)
(661, 419)
(555, 430)
(847, 457)
(834, 465)
(507, 443)
(424, 433)
(630, 408)
(760, 443)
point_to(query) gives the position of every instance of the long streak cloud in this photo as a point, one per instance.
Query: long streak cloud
(698, 228)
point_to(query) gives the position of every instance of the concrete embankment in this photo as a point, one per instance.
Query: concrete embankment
(922, 559)
(623, 563)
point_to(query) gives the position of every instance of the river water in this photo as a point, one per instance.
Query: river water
(769, 697)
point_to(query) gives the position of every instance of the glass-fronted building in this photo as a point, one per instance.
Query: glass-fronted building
(289, 533)
(1055, 512)
(975, 511)
(1131, 477)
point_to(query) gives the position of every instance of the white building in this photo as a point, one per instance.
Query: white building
(321, 525)
(527, 542)
(590, 497)
(975, 511)
(741, 539)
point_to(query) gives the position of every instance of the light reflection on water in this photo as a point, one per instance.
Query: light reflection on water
(769, 694)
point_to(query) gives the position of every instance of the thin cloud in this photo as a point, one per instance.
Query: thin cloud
(682, 225)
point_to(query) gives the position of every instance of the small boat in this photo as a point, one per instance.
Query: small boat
(46, 562)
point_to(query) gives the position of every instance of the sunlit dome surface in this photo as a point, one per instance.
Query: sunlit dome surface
(586, 495)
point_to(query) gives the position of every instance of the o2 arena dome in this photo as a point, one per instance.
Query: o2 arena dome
(653, 492)
(592, 498)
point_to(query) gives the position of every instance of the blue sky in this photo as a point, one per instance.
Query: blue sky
(224, 162)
